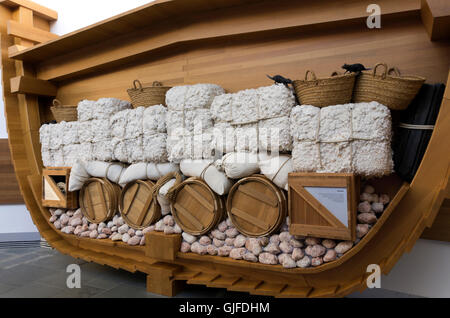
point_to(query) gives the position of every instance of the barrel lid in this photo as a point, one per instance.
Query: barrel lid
(196, 208)
(138, 206)
(98, 200)
(256, 206)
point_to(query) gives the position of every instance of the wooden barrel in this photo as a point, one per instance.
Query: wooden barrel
(256, 206)
(138, 205)
(99, 200)
(196, 208)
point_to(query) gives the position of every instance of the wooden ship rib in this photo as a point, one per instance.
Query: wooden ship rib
(233, 43)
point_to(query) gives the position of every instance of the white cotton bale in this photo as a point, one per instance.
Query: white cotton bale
(190, 120)
(78, 176)
(274, 134)
(372, 158)
(118, 122)
(85, 151)
(71, 154)
(56, 135)
(215, 179)
(304, 123)
(135, 123)
(246, 137)
(85, 110)
(224, 138)
(155, 119)
(274, 101)
(101, 130)
(47, 159)
(120, 151)
(58, 157)
(86, 132)
(277, 169)
(104, 108)
(155, 147)
(237, 165)
(156, 171)
(192, 96)
(70, 133)
(135, 149)
(44, 136)
(245, 107)
(221, 108)
(199, 146)
(343, 138)
(102, 150)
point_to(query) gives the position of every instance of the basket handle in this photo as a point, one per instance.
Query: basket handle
(137, 85)
(157, 84)
(56, 103)
(385, 70)
(312, 73)
(394, 70)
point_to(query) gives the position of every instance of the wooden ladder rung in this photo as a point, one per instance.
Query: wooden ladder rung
(295, 292)
(186, 275)
(202, 279)
(197, 196)
(245, 285)
(269, 289)
(257, 195)
(250, 218)
(223, 281)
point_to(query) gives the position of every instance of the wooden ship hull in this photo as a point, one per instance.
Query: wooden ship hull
(233, 43)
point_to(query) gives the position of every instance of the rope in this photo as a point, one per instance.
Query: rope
(416, 127)
(276, 174)
(202, 175)
(161, 182)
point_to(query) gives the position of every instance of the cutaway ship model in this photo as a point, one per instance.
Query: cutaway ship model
(233, 44)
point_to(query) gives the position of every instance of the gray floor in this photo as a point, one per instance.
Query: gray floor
(41, 272)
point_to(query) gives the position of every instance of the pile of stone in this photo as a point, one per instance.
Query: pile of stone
(73, 222)
(285, 249)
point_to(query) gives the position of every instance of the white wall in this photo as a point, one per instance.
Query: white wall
(73, 15)
(423, 272)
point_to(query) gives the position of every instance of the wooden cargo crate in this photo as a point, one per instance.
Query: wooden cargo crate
(323, 205)
(54, 196)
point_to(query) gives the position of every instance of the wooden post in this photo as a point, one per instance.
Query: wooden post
(162, 247)
(160, 280)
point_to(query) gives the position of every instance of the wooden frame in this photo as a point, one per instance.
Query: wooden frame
(303, 205)
(233, 43)
(52, 196)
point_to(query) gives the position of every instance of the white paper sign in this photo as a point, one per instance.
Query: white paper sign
(334, 199)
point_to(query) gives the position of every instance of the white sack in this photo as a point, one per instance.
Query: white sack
(162, 199)
(215, 179)
(238, 165)
(78, 176)
(111, 171)
(144, 171)
(277, 169)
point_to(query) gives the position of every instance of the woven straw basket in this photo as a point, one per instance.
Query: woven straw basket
(394, 91)
(322, 92)
(64, 112)
(148, 96)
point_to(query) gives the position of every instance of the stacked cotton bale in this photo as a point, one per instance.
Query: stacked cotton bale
(283, 248)
(139, 135)
(88, 138)
(253, 120)
(189, 121)
(60, 144)
(95, 130)
(351, 138)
